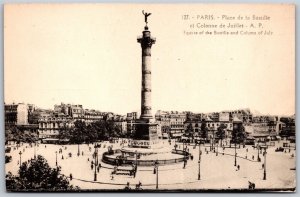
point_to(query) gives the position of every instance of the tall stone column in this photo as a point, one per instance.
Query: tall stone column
(146, 42)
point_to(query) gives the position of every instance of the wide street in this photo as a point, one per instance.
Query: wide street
(217, 172)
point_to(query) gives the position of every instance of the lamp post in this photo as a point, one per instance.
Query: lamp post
(265, 165)
(213, 141)
(96, 161)
(200, 152)
(156, 167)
(56, 158)
(210, 147)
(235, 152)
(136, 157)
(95, 164)
(217, 148)
(78, 153)
(20, 153)
(258, 159)
(34, 150)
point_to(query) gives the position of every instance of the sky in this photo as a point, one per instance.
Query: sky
(88, 54)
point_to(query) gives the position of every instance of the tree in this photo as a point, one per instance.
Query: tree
(77, 133)
(238, 133)
(289, 129)
(99, 130)
(189, 132)
(14, 133)
(9, 134)
(204, 129)
(64, 133)
(36, 175)
(221, 132)
(7, 158)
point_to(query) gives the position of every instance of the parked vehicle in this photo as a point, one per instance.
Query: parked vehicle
(280, 149)
(7, 149)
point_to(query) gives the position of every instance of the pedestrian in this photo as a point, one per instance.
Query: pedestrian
(92, 166)
(252, 157)
(98, 169)
(238, 167)
(71, 177)
(62, 157)
(82, 153)
(246, 149)
(262, 166)
(127, 187)
(88, 159)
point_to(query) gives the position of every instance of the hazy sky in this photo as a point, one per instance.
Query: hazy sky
(88, 54)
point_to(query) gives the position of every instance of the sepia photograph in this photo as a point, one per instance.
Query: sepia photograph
(105, 97)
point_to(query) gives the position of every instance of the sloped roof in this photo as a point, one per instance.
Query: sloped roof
(236, 119)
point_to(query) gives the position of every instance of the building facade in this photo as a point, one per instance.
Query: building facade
(16, 114)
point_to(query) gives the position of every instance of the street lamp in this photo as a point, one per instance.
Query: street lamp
(56, 158)
(156, 168)
(95, 172)
(210, 147)
(34, 150)
(265, 163)
(217, 148)
(136, 157)
(258, 158)
(213, 141)
(235, 152)
(200, 152)
(20, 153)
(78, 153)
(96, 160)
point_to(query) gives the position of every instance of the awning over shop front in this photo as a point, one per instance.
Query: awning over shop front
(176, 134)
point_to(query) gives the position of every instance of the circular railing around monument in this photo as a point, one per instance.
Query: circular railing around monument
(116, 161)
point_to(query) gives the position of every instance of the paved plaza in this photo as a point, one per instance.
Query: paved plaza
(217, 171)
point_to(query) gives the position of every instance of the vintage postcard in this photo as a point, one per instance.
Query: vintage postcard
(149, 97)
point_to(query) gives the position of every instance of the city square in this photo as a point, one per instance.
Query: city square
(217, 171)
